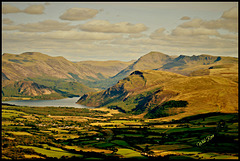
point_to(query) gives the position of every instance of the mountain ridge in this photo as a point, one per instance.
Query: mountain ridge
(144, 90)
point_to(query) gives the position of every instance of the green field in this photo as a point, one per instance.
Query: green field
(53, 152)
(29, 132)
(129, 153)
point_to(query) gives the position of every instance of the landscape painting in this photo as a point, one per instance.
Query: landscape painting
(119, 81)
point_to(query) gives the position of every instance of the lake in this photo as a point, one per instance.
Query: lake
(66, 102)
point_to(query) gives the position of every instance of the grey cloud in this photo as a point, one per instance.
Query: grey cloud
(76, 14)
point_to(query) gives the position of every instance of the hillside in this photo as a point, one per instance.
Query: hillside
(145, 90)
(106, 68)
(187, 64)
(29, 89)
(34, 64)
(182, 64)
(152, 60)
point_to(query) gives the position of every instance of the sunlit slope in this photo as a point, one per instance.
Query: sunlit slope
(148, 89)
(28, 89)
(182, 64)
(152, 60)
(34, 64)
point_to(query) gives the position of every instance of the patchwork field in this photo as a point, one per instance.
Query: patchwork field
(29, 133)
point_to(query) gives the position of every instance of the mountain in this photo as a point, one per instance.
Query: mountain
(152, 60)
(34, 64)
(41, 68)
(106, 68)
(75, 78)
(4, 77)
(165, 94)
(182, 64)
(28, 89)
(187, 64)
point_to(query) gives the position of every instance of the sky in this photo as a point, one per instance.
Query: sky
(122, 31)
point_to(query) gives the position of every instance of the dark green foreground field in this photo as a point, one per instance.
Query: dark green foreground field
(61, 133)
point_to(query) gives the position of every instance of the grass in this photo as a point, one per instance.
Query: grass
(120, 142)
(65, 136)
(129, 153)
(11, 113)
(20, 133)
(56, 152)
(32, 156)
(58, 130)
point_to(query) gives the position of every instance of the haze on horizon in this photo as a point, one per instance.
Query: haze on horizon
(120, 30)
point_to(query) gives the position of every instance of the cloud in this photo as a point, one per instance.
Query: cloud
(9, 9)
(76, 35)
(196, 22)
(228, 21)
(157, 33)
(107, 27)
(231, 13)
(179, 31)
(7, 21)
(34, 9)
(185, 18)
(76, 14)
(42, 26)
(10, 27)
(227, 24)
(61, 36)
(136, 36)
(198, 36)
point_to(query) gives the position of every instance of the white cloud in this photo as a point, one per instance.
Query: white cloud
(196, 22)
(9, 9)
(42, 26)
(179, 31)
(7, 21)
(107, 27)
(231, 13)
(158, 33)
(34, 9)
(75, 14)
(76, 35)
(228, 21)
(136, 36)
(10, 27)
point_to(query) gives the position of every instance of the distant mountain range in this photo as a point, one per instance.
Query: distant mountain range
(34, 64)
(65, 78)
(57, 73)
(182, 64)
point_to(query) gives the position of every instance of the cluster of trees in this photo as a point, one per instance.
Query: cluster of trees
(163, 109)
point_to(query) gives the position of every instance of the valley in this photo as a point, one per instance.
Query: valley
(158, 107)
(96, 134)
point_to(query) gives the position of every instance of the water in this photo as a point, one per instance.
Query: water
(66, 102)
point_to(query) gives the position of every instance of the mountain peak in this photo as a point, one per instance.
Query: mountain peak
(33, 54)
